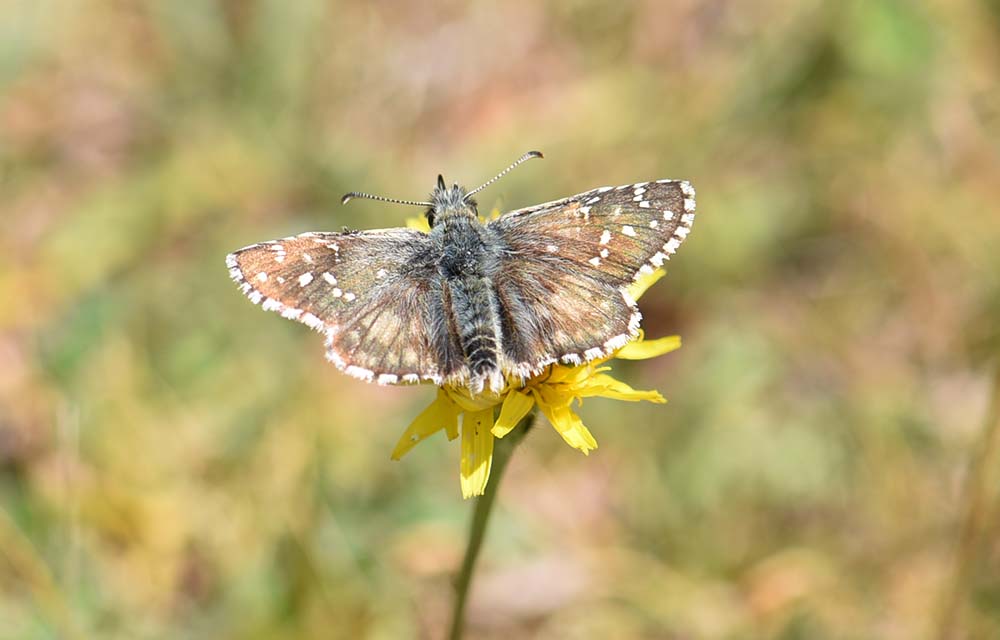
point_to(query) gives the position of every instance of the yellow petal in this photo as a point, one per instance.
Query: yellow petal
(465, 399)
(515, 406)
(607, 387)
(558, 373)
(569, 426)
(637, 288)
(440, 414)
(643, 349)
(477, 451)
(557, 395)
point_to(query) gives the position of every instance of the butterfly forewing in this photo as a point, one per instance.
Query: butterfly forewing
(372, 294)
(563, 284)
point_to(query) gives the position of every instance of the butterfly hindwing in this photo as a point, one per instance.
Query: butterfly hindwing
(568, 264)
(550, 313)
(374, 294)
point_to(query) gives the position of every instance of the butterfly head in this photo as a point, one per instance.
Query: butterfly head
(450, 201)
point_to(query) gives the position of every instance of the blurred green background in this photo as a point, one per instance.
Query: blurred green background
(175, 463)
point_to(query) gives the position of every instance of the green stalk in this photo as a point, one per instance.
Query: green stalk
(502, 451)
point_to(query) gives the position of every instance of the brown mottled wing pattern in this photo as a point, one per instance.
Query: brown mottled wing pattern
(567, 265)
(374, 294)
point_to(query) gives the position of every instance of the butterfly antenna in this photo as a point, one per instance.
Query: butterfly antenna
(357, 194)
(524, 158)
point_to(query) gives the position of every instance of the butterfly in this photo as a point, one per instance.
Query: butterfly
(470, 303)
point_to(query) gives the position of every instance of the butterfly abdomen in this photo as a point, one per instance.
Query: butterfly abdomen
(476, 321)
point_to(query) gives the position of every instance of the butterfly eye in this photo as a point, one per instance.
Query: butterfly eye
(430, 217)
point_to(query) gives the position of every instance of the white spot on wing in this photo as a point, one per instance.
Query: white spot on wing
(360, 373)
(330, 279)
(349, 296)
(644, 204)
(312, 321)
(606, 236)
(595, 261)
(262, 276)
(616, 342)
(628, 230)
(305, 278)
(551, 248)
(337, 292)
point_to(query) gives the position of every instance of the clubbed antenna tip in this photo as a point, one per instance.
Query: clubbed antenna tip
(524, 158)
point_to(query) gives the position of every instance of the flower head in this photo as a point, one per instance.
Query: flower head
(553, 391)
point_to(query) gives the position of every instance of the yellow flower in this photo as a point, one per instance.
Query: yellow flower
(553, 391)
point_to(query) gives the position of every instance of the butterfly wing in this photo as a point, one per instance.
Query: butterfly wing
(376, 295)
(567, 266)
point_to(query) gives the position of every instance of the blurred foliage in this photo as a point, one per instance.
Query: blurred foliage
(174, 463)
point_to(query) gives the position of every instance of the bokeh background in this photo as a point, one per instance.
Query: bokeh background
(175, 463)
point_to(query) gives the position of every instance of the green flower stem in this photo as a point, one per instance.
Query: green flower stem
(502, 451)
